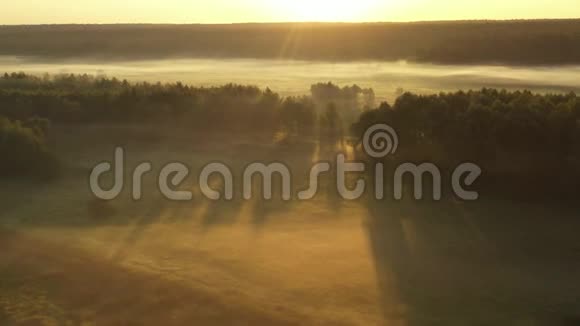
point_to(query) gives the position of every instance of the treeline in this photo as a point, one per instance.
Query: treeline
(525, 143)
(509, 42)
(88, 99)
(29, 104)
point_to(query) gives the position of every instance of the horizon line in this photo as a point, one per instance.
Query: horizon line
(300, 22)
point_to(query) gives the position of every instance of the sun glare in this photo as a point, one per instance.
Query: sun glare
(325, 10)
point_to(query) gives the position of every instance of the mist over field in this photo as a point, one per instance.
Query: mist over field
(391, 58)
(290, 78)
(500, 96)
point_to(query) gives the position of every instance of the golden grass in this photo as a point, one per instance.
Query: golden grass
(320, 262)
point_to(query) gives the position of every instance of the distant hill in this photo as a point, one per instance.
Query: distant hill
(532, 42)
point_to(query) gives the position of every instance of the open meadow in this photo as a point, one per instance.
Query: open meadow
(432, 150)
(68, 259)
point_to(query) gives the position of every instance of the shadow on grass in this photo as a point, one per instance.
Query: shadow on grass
(44, 283)
(459, 264)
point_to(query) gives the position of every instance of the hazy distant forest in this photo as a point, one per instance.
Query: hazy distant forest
(508, 42)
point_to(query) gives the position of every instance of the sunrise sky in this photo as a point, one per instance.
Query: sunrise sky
(228, 11)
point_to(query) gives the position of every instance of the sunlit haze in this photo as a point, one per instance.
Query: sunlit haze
(225, 11)
(290, 162)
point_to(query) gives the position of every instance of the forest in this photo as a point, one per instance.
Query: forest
(526, 42)
(527, 144)
(520, 138)
(87, 99)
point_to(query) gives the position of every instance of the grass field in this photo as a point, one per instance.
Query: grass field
(324, 262)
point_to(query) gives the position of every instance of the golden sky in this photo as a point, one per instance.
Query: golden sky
(234, 11)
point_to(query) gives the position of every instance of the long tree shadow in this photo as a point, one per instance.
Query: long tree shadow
(446, 266)
(391, 254)
(145, 217)
(221, 212)
(297, 156)
(331, 145)
(427, 257)
(46, 283)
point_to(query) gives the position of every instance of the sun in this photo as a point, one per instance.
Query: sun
(325, 10)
